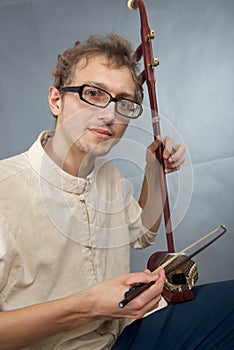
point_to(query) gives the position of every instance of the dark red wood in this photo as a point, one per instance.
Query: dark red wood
(145, 50)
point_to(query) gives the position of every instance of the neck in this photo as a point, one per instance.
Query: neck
(69, 157)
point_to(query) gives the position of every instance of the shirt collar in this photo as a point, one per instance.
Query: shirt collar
(51, 172)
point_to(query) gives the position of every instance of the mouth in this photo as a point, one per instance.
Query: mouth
(101, 133)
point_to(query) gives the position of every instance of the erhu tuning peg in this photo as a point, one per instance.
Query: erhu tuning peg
(151, 35)
(154, 63)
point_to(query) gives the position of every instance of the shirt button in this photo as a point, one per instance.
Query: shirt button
(81, 197)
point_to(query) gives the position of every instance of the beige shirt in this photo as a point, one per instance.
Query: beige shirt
(61, 234)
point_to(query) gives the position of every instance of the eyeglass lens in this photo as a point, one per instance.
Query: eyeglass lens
(101, 98)
(95, 96)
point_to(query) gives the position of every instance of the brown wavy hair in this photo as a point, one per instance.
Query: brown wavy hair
(115, 48)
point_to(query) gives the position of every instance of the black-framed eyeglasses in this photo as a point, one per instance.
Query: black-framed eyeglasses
(98, 97)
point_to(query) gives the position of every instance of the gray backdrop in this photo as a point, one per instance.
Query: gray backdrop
(194, 42)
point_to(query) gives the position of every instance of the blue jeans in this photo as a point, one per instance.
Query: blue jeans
(202, 324)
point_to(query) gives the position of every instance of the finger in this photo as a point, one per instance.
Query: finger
(174, 166)
(177, 153)
(152, 293)
(141, 277)
(157, 286)
(171, 170)
(150, 306)
(169, 145)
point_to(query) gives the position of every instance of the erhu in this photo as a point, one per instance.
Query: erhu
(180, 270)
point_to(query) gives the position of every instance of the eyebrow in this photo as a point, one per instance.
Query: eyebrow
(105, 87)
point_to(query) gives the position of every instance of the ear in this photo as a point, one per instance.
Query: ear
(54, 99)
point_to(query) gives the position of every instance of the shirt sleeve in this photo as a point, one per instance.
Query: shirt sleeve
(141, 236)
(6, 254)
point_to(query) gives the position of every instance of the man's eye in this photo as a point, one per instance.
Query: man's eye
(125, 104)
(92, 93)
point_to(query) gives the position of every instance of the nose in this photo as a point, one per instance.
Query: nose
(107, 114)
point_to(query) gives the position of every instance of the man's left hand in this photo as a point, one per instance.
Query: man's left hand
(173, 154)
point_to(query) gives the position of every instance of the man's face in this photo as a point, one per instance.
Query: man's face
(93, 128)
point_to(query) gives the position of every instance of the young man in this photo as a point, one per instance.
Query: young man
(67, 216)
